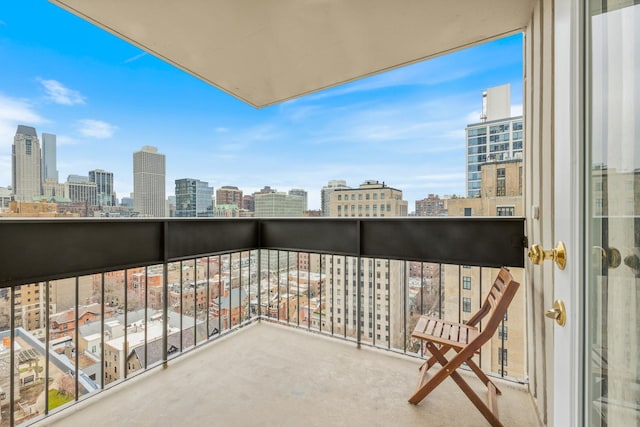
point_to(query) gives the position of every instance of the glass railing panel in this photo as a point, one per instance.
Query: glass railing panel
(244, 293)
(187, 303)
(174, 309)
(223, 302)
(215, 290)
(89, 343)
(313, 272)
(6, 404)
(63, 318)
(134, 350)
(201, 300)
(154, 297)
(114, 326)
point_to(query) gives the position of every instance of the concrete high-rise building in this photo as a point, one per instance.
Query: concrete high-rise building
(372, 198)
(272, 203)
(149, 182)
(465, 286)
(229, 195)
(327, 190)
(81, 192)
(381, 294)
(302, 193)
(248, 203)
(194, 198)
(380, 281)
(49, 156)
(104, 187)
(497, 137)
(26, 162)
(432, 205)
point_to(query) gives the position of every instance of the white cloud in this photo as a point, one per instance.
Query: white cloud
(473, 117)
(96, 129)
(222, 130)
(60, 94)
(65, 140)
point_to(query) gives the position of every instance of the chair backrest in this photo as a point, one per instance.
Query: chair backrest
(495, 305)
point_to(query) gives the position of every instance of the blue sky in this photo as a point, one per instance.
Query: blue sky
(105, 99)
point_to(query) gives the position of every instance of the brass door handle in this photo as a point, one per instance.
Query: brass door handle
(558, 313)
(559, 254)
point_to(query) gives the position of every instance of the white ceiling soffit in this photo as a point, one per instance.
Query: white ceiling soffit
(268, 51)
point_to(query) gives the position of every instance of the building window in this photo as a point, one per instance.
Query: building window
(381, 196)
(466, 305)
(27, 147)
(360, 196)
(520, 180)
(367, 196)
(339, 196)
(502, 332)
(502, 357)
(501, 182)
(466, 283)
(505, 210)
(467, 211)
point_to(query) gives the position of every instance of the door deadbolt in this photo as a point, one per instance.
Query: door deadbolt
(558, 313)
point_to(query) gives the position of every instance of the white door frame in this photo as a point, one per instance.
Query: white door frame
(569, 212)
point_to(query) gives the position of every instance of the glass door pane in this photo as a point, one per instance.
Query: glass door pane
(613, 230)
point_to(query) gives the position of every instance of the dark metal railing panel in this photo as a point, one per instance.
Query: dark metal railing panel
(43, 250)
(39, 250)
(189, 238)
(321, 235)
(489, 242)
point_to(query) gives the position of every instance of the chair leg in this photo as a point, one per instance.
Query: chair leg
(449, 369)
(475, 368)
(423, 390)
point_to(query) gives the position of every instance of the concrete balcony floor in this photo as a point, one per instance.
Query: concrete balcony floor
(272, 375)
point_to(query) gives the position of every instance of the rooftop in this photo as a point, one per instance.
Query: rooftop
(284, 376)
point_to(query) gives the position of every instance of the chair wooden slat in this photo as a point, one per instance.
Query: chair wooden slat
(422, 324)
(445, 331)
(463, 336)
(453, 333)
(437, 331)
(430, 327)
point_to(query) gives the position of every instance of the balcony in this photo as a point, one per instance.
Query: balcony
(269, 320)
(272, 375)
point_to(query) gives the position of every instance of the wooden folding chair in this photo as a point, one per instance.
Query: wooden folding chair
(466, 340)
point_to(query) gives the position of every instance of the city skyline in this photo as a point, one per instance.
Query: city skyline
(104, 104)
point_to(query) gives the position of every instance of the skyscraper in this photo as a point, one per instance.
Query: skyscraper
(194, 198)
(49, 162)
(149, 182)
(325, 195)
(105, 196)
(26, 178)
(497, 137)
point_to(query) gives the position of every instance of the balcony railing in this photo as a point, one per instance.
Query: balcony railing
(85, 304)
